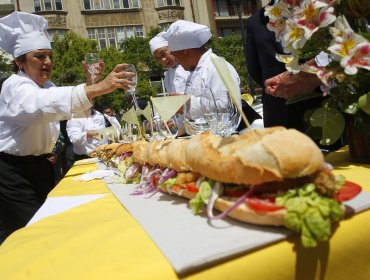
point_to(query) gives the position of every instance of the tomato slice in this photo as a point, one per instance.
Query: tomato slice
(176, 188)
(192, 187)
(154, 180)
(347, 192)
(263, 204)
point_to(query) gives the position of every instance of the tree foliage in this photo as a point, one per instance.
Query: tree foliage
(231, 48)
(5, 66)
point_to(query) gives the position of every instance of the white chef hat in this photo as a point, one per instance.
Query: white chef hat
(158, 41)
(184, 34)
(21, 33)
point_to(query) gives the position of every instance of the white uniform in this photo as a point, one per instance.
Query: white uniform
(175, 79)
(77, 128)
(30, 115)
(205, 76)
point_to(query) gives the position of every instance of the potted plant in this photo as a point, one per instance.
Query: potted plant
(336, 32)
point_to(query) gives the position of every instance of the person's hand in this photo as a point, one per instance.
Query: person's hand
(99, 70)
(114, 80)
(91, 133)
(287, 85)
(53, 159)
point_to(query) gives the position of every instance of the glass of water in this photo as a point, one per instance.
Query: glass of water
(227, 114)
(200, 112)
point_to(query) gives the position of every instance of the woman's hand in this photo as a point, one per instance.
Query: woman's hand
(114, 80)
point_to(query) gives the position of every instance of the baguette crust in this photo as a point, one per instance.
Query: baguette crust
(255, 157)
(157, 153)
(176, 155)
(139, 152)
(124, 148)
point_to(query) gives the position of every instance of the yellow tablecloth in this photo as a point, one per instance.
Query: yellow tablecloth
(101, 240)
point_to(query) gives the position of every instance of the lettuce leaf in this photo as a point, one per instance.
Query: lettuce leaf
(310, 213)
(202, 197)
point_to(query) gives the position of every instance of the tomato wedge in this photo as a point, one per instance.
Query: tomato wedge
(347, 192)
(192, 187)
(263, 204)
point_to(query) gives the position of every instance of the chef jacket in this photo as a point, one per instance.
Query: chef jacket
(30, 114)
(205, 77)
(77, 128)
(175, 79)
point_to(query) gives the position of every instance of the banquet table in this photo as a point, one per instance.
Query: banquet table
(102, 240)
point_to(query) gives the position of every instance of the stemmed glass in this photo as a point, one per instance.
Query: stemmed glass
(131, 69)
(92, 64)
(227, 113)
(200, 112)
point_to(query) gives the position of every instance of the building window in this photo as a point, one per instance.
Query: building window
(47, 5)
(163, 3)
(58, 32)
(227, 8)
(164, 26)
(113, 36)
(110, 4)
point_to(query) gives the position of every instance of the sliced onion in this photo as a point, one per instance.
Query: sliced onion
(167, 174)
(216, 191)
(132, 170)
(239, 201)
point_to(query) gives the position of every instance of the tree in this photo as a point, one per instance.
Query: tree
(231, 48)
(69, 52)
(5, 66)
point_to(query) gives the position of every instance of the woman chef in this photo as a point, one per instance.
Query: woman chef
(30, 110)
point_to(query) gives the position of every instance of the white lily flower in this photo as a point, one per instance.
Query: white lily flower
(294, 37)
(359, 57)
(313, 15)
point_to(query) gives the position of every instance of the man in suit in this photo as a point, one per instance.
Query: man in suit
(262, 65)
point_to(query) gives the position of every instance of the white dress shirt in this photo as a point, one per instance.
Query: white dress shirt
(175, 79)
(30, 115)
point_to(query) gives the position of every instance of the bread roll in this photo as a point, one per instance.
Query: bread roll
(176, 155)
(124, 148)
(139, 151)
(256, 157)
(157, 153)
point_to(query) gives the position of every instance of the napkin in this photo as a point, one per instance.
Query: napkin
(97, 174)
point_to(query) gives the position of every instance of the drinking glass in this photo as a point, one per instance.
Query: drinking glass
(92, 64)
(131, 68)
(200, 112)
(170, 130)
(152, 130)
(227, 113)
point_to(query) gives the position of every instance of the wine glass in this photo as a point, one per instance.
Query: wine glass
(130, 68)
(227, 114)
(200, 112)
(92, 64)
(170, 129)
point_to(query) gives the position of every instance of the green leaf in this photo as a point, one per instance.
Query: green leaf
(364, 103)
(303, 97)
(332, 123)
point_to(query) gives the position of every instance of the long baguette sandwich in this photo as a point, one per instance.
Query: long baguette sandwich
(272, 176)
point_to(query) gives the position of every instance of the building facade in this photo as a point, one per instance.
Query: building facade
(110, 21)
